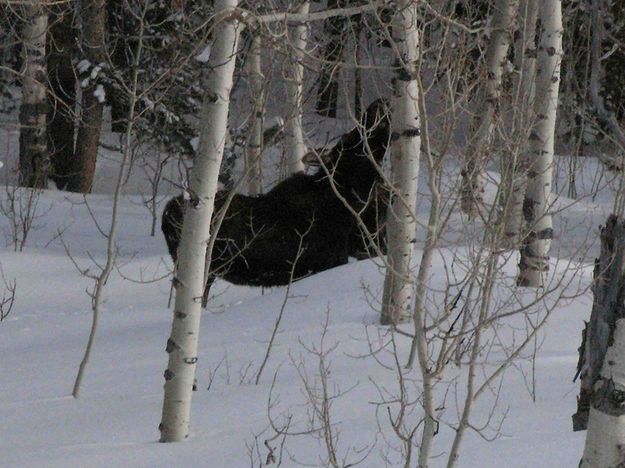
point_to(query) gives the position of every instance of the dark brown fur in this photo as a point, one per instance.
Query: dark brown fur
(301, 225)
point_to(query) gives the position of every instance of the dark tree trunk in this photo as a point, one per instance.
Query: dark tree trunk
(334, 29)
(33, 157)
(62, 96)
(120, 27)
(92, 41)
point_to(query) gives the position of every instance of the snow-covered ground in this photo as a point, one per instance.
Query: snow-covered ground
(114, 423)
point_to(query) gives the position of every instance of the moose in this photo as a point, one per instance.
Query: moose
(306, 223)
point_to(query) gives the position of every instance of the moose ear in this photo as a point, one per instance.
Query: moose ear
(310, 159)
(314, 158)
(378, 113)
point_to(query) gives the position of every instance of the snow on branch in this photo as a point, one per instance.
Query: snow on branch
(251, 19)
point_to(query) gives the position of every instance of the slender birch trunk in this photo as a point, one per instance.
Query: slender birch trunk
(405, 152)
(476, 349)
(111, 248)
(477, 152)
(534, 261)
(93, 27)
(516, 170)
(605, 438)
(34, 162)
(255, 137)
(419, 345)
(294, 132)
(189, 282)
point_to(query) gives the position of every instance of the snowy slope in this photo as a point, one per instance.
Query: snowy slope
(114, 423)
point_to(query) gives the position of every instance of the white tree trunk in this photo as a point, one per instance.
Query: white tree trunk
(405, 152)
(535, 250)
(605, 438)
(608, 299)
(34, 160)
(525, 65)
(294, 132)
(255, 136)
(189, 281)
(477, 152)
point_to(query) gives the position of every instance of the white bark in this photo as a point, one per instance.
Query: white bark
(419, 346)
(255, 137)
(535, 250)
(477, 152)
(34, 157)
(525, 65)
(189, 281)
(294, 132)
(405, 152)
(300, 16)
(608, 299)
(605, 438)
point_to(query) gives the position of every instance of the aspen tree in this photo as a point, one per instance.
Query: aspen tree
(294, 132)
(255, 137)
(189, 281)
(405, 152)
(477, 152)
(602, 367)
(534, 261)
(33, 158)
(606, 420)
(515, 170)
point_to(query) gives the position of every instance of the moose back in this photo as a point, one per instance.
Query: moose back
(306, 223)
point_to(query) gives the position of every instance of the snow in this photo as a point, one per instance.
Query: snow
(83, 66)
(525, 417)
(204, 55)
(95, 71)
(114, 423)
(100, 94)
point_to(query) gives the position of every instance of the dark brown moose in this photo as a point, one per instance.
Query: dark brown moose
(301, 226)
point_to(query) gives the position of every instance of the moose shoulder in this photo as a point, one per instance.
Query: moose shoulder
(301, 226)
